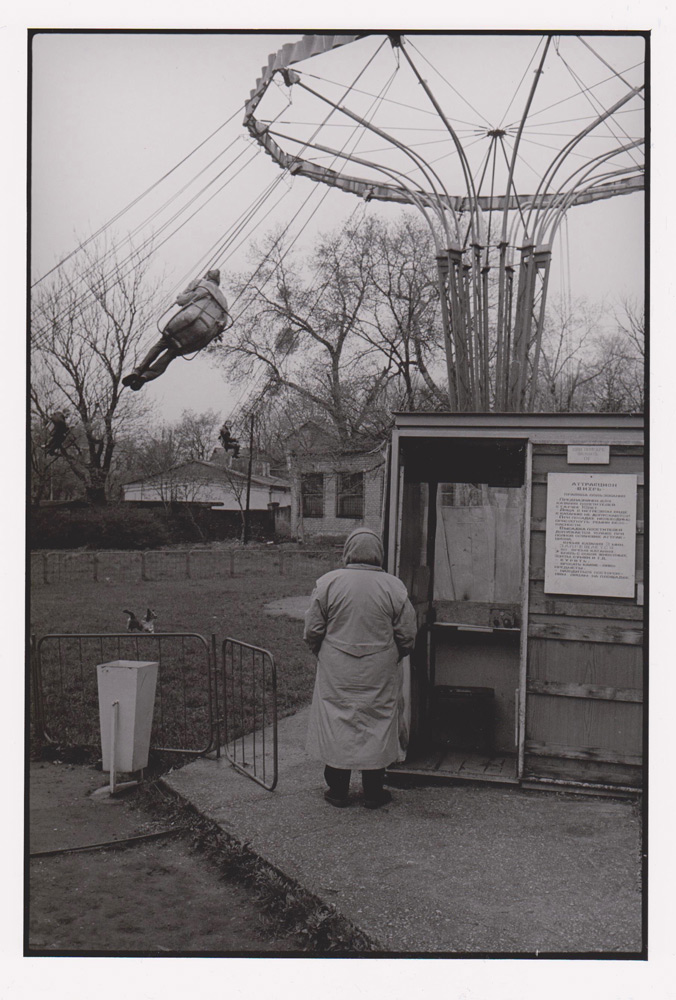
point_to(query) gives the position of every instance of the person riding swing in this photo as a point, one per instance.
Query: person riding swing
(59, 433)
(201, 320)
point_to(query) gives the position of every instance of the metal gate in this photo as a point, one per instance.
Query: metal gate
(250, 710)
(65, 692)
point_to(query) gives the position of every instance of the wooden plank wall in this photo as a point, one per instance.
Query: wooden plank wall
(478, 554)
(584, 696)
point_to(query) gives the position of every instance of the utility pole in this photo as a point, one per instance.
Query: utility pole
(248, 485)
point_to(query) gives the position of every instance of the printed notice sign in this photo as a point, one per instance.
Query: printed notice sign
(588, 454)
(590, 545)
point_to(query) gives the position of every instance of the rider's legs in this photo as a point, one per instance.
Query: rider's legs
(151, 356)
(160, 366)
(152, 365)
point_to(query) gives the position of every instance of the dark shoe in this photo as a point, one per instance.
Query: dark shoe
(134, 381)
(337, 800)
(383, 799)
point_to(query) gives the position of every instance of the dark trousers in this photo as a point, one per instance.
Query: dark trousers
(154, 365)
(338, 780)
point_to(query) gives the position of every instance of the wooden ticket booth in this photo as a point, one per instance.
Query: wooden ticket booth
(520, 539)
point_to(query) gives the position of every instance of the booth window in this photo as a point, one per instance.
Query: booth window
(350, 495)
(460, 494)
(478, 550)
(312, 493)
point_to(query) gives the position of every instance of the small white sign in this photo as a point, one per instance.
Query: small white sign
(590, 545)
(588, 454)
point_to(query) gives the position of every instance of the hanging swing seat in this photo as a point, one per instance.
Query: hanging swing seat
(194, 326)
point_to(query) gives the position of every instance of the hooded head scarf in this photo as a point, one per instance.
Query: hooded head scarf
(214, 275)
(363, 546)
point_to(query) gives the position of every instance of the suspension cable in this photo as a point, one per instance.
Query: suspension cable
(588, 97)
(518, 86)
(135, 201)
(571, 97)
(448, 84)
(606, 64)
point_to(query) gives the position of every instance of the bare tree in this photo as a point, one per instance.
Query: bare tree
(87, 324)
(401, 318)
(566, 369)
(619, 385)
(631, 322)
(628, 348)
(300, 326)
(585, 367)
(196, 434)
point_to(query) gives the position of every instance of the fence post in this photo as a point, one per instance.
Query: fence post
(36, 683)
(144, 575)
(96, 567)
(232, 562)
(217, 711)
(281, 562)
(187, 564)
(45, 574)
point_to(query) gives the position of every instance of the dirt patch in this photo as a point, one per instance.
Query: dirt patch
(292, 607)
(158, 896)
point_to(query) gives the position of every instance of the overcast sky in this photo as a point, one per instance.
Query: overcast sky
(113, 113)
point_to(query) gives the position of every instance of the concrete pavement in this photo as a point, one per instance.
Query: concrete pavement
(445, 869)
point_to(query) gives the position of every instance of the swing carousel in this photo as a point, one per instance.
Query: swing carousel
(495, 188)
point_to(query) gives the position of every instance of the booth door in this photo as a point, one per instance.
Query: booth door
(461, 535)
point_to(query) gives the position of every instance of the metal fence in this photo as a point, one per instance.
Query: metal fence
(200, 704)
(65, 692)
(111, 566)
(249, 700)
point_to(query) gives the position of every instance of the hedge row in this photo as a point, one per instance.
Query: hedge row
(124, 526)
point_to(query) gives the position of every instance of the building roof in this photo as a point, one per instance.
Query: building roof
(219, 471)
(403, 418)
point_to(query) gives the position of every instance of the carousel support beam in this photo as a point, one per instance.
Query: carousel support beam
(522, 344)
(519, 349)
(442, 274)
(459, 340)
(500, 328)
(543, 260)
(486, 379)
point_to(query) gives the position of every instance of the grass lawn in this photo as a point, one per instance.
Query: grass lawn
(228, 607)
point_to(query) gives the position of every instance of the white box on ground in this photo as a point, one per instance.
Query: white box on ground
(130, 683)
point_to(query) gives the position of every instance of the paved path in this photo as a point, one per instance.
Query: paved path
(445, 869)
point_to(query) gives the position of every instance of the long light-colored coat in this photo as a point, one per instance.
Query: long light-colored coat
(205, 310)
(360, 623)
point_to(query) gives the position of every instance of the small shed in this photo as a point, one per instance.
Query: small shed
(209, 482)
(520, 539)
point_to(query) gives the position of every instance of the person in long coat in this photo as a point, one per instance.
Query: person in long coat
(360, 624)
(202, 319)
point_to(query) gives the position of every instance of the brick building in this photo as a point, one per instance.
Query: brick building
(334, 493)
